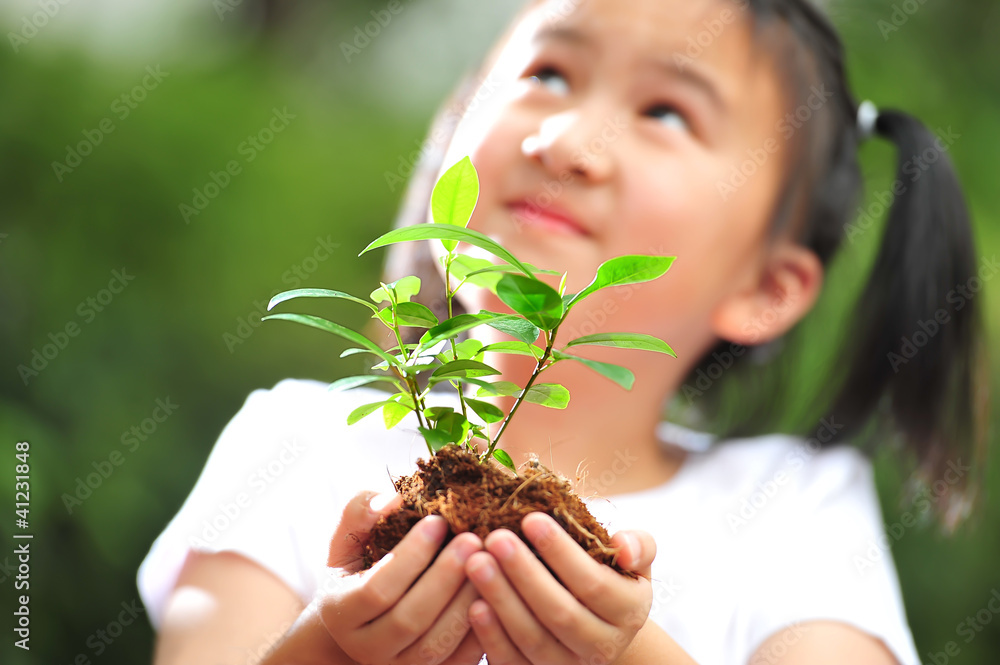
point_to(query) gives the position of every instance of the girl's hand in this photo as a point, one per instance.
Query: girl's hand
(397, 612)
(526, 615)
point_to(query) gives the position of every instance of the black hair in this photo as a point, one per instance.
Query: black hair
(928, 402)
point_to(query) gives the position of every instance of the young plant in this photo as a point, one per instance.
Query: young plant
(539, 311)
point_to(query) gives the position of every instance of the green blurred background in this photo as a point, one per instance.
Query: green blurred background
(179, 329)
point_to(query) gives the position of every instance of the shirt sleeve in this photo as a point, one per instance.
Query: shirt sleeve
(826, 557)
(254, 496)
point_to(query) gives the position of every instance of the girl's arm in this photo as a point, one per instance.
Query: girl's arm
(227, 610)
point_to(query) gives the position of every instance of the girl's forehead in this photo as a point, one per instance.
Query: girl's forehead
(712, 38)
(648, 23)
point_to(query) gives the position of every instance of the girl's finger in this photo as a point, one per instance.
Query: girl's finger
(420, 607)
(492, 637)
(533, 639)
(381, 587)
(604, 592)
(357, 520)
(469, 652)
(448, 630)
(638, 551)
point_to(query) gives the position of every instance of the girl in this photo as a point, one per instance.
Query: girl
(719, 132)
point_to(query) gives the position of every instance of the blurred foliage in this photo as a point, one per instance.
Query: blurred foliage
(320, 182)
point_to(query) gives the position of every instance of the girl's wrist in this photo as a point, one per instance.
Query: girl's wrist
(307, 642)
(653, 646)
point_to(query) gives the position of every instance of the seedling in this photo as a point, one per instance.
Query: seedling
(538, 312)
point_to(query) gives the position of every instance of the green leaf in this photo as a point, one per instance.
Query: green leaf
(467, 368)
(410, 369)
(454, 425)
(479, 383)
(468, 349)
(435, 412)
(516, 347)
(515, 326)
(502, 457)
(507, 268)
(488, 412)
(316, 293)
(405, 288)
(535, 300)
(415, 315)
(459, 324)
(551, 395)
(365, 411)
(483, 272)
(625, 341)
(435, 438)
(498, 388)
(350, 382)
(355, 352)
(336, 329)
(620, 375)
(446, 232)
(546, 394)
(454, 197)
(621, 270)
(394, 412)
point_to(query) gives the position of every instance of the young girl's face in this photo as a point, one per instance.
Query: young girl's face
(610, 127)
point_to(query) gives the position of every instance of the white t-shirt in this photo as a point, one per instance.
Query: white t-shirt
(752, 535)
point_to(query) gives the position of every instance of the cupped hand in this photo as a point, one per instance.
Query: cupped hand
(527, 616)
(409, 608)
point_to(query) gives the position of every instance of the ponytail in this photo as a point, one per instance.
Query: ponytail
(917, 348)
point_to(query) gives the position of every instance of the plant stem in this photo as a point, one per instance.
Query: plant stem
(454, 352)
(539, 366)
(411, 383)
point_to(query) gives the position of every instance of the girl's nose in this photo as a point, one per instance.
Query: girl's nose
(570, 142)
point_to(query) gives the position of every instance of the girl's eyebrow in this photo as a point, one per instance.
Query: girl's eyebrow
(677, 67)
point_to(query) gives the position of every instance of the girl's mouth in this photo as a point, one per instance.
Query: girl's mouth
(549, 218)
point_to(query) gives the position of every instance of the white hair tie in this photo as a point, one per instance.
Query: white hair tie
(867, 117)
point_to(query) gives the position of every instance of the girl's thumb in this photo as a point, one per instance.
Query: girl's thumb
(638, 551)
(360, 515)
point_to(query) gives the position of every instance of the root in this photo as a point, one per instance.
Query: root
(586, 534)
(522, 486)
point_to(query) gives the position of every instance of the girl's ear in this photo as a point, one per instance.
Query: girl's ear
(784, 290)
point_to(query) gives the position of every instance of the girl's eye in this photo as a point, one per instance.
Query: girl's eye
(550, 77)
(670, 116)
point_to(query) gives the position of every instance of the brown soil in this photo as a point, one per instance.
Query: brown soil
(482, 498)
